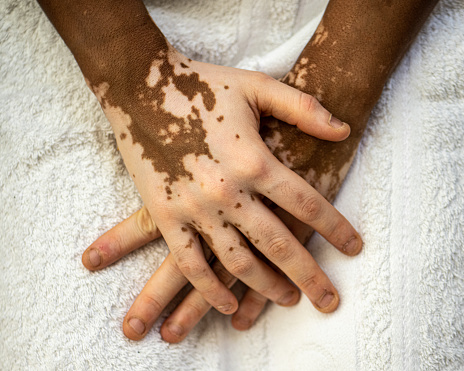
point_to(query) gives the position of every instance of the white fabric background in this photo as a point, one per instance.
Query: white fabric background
(63, 183)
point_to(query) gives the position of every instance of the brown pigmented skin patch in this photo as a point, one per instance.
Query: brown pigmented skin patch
(123, 136)
(150, 123)
(183, 229)
(238, 205)
(220, 118)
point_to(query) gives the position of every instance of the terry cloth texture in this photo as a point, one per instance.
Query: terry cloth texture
(63, 183)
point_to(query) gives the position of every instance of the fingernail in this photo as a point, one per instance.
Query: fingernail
(334, 122)
(94, 258)
(351, 247)
(287, 298)
(175, 329)
(137, 325)
(326, 299)
(225, 307)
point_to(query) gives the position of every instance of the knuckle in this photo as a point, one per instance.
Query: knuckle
(263, 77)
(306, 102)
(218, 192)
(308, 282)
(240, 266)
(191, 269)
(257, 168)
(150, 301)
(310, 207)
(279, 248)
(145, 222)
(195, 308)
(256, 301)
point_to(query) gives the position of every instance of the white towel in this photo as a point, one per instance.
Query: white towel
(63, 183)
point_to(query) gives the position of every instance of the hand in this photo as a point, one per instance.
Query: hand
(165, 284)
(189, 134)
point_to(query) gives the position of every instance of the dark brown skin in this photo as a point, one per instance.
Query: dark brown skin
(346, 75)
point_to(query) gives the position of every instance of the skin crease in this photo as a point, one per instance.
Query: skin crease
(322, 163)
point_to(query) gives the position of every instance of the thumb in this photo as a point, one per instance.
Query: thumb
(288, 104)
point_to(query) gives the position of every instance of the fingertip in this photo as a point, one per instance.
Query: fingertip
(353, 246)
(92, 259)
(229, 308)
(172, 333)
(328, 302)
(134, 328)
(241, 323)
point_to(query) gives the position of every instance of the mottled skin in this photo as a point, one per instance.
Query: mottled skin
(345, 65)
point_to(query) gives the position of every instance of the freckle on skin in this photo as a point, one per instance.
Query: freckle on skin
(238, 205)
(237, 136)
(183, 229)
(222, 180)
(220, 118)
(169, 197)
(241, 191)
(252, 197)
(133, 175)
(183, 65)
(189, 245)
(225, 225)
(226, 87)
(220, 212)
(231, 249)
(123, 136)
(168, 190)
(216, 161)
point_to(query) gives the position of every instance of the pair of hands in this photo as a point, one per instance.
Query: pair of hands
(189, 136)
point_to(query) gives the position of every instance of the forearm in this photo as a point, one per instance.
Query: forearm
(106, 36)
(345, 66)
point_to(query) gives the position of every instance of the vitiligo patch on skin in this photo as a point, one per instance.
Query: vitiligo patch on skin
(165, 136)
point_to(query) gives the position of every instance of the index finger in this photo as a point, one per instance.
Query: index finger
(291, 192)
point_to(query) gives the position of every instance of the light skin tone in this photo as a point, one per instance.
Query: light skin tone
(189, 135)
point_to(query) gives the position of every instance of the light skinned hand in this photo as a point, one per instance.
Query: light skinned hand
(138, 230)
(190, 139)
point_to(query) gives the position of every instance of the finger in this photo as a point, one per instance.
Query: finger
(293, 194)
(189, 257)
(288, 104)
(239, 260)
(275, 241)
(130, 234)
(251, 306)
(191, 310)
(160, 289)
